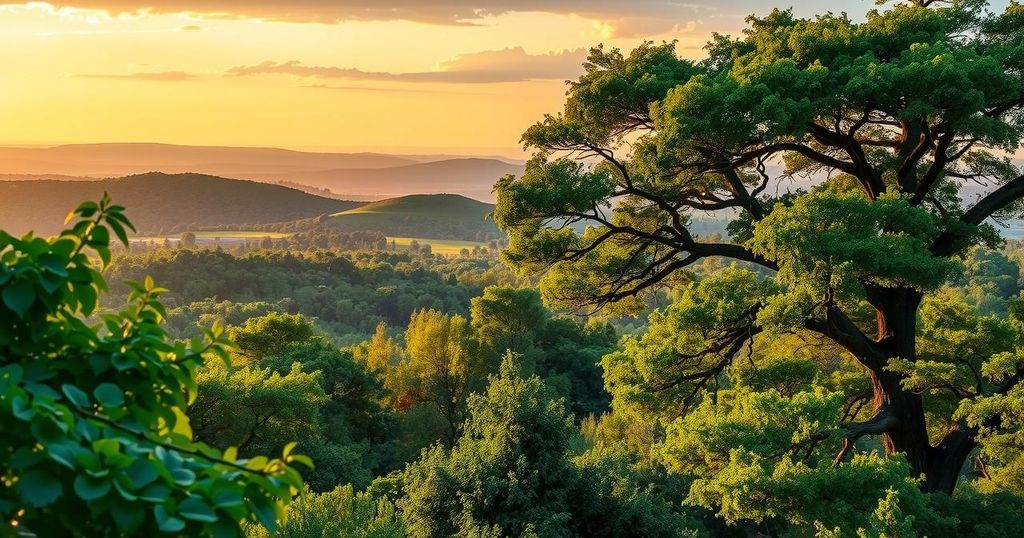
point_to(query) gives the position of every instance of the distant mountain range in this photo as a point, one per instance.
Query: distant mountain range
(363, 176)
(163, 204)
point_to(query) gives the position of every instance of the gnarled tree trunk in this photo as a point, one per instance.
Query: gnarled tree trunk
(904, 429)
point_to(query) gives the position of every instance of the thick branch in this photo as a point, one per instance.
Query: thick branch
(881, 423)
(842, 330)
(995, 201)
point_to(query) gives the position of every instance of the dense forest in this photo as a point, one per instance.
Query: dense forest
(348, 293)
(845, 360)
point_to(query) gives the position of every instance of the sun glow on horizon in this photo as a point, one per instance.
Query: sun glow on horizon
(80, 73)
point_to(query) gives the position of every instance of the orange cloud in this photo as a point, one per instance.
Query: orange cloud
(507, 65)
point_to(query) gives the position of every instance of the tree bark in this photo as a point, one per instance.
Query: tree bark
(939, 465)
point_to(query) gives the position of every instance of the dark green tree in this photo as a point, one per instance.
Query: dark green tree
(271, 334)
(890, 114)
(558, 348)
(512, 473)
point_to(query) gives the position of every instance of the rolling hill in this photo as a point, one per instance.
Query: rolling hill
(161, 203)
(436, 216)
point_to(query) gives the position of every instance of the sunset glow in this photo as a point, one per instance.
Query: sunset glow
(423, 78)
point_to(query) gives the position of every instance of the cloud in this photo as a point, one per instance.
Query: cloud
(376, 89)
(507, 65)
(631, 16)
(168, 76)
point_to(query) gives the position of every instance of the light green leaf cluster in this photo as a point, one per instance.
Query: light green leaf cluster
(256, 409)
(999, 421)
(339, 512)
(829, 240)
(706, 310)
(547, 190)
(888, 520)
(96, 440)
(834, 496)
(765, 424)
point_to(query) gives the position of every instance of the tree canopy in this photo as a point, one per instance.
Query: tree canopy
(883, 119)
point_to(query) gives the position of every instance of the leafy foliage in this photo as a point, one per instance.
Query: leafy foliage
(339, 512)
(509, 474)
(96, 440)
(347, 293)
(560, 350)
(887, 117)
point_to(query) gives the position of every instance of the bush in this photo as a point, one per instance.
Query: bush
(95, 438)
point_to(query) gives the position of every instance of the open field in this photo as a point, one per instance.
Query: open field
(438, 246)
(233, 234)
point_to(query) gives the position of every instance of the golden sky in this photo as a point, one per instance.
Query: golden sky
(460, 76)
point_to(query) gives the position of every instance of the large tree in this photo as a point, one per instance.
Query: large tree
(888, 116)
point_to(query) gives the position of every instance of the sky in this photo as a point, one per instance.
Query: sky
(435, 76)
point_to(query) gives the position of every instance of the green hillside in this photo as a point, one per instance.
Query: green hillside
(441, 216)
(162, 203)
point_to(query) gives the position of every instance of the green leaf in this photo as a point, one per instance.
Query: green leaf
(142, 472)
(167, 522)
(196, 509)
(76, 395)
(25, 457)
(183, 477)
(86, 295)
(118, 231)
(107, 447)
(155, 493)
(87, 209)
(99, 237)
(299, 458)
(54, 264)
(11, 375)
(19, 296)
(265, 512)
(39, 488)
(104, 254)
(89, 488)
(109, 395)
(128, 516)
(46, 429)
(227, 499)
(21, 408)
(63, 453)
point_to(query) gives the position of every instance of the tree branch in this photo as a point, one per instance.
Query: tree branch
(881, 423)
(995, 201)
